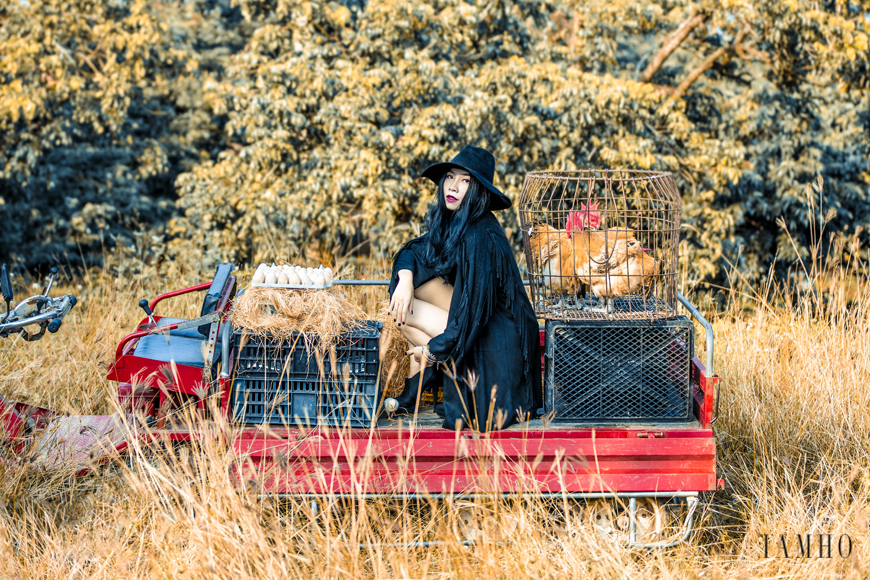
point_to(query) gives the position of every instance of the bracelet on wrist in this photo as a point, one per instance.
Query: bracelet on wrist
(430, 358)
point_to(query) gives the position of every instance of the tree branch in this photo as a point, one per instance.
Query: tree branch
(706, 64)
(672, 43)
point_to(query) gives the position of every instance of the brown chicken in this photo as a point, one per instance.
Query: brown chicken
(631, 276)
(578, 255)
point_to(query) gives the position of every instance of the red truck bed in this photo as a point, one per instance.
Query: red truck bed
(392, 457)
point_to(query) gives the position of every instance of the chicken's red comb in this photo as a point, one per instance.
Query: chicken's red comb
(573, 221)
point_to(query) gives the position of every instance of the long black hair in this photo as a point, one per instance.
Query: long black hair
(446, 228)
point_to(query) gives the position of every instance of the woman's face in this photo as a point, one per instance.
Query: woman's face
(455, 185)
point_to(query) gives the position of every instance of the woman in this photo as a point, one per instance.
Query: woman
(457, 296)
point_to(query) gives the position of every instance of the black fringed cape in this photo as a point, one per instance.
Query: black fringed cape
(492, 333)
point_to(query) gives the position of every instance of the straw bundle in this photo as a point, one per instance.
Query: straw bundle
(322, 316)
(393, 348)
(278, 313)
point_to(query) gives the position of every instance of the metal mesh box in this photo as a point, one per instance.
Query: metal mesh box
(293, 401)
(616, 371)
(281, 383)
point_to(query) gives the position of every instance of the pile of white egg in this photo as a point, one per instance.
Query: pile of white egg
(292, 275)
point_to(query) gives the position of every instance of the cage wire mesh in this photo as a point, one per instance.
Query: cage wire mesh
(619, 370)
(601, 244)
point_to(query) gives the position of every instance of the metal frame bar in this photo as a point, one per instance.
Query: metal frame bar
(688, 524)
(361, 282)
(708, 334)
(708, 329)
(692, 502)
(226, 332)
(174, 293)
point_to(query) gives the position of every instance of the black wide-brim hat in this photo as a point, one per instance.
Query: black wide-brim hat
(480, 163)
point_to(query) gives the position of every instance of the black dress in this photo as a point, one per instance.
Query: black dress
(492, 333)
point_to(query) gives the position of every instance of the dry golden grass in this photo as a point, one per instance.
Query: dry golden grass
(322, 315)
(793, 448)
(394, 345)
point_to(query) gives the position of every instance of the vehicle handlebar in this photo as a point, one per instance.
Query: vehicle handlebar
(56, 309)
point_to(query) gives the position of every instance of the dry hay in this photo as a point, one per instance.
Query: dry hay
(321, 316)
(395, 364)
(278, 313)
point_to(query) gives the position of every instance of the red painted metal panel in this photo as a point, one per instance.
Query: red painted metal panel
(704, 387)
(11, 423)
(145, 371)
(386, 461)
(139, 399)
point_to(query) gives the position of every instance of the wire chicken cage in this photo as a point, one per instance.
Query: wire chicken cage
(601, 244)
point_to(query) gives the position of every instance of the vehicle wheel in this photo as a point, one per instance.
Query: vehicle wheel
(611, 520)
(603, 518)
(476, 523)
(650, 520)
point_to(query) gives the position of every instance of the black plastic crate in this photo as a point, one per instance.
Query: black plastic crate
(279, 383)
(356, 351)
(616, 371)
(292, 402)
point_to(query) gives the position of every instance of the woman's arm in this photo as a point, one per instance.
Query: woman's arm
(409, 271)
(402, 302)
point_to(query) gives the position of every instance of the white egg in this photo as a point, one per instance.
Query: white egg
(259, 277)
(318, 279)
(327, 275)
(282, 278)
(294, 277)
(270, 277)
(306, 281)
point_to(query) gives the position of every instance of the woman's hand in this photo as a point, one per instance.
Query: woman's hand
(402, 302)
(417, 354)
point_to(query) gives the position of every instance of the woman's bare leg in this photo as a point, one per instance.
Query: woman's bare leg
(427, 317)
(417, 338)
(431, 305)
(426, 321)
(415, 367)
(435, 292)
(414, 335)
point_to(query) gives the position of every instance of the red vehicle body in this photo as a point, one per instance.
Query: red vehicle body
(406, 456)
